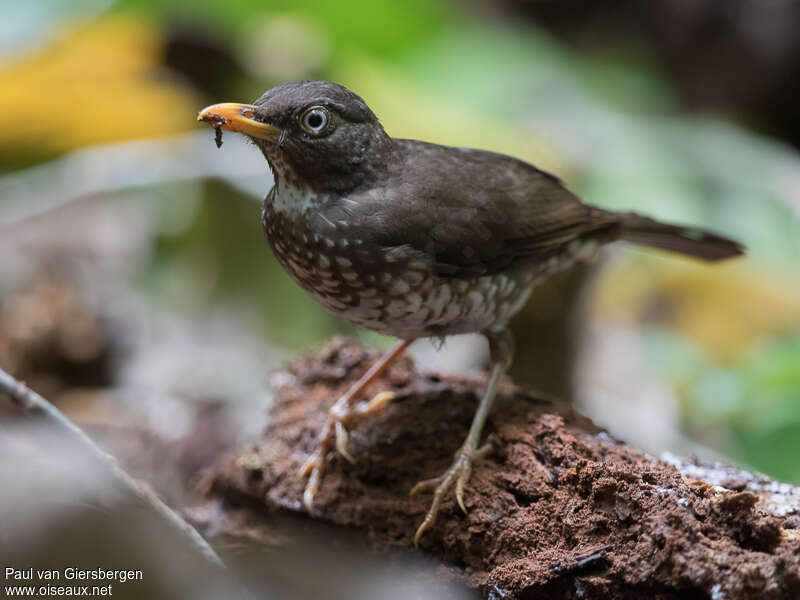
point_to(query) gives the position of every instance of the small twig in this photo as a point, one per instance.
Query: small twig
(30, 400)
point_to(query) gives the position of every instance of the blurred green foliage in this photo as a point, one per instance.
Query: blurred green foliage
(382, 29)
(750, 409)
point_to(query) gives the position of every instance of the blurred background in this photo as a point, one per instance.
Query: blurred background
(137, 289)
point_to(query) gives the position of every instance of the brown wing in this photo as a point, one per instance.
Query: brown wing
(470, 212)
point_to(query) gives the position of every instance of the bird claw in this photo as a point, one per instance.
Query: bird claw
(308, 465)
(342, 416)
(377, 402)
(458, 474)
(312, 468)
(338, 417)
(342, 437)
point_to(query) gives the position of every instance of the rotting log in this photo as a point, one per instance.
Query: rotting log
(559, 509)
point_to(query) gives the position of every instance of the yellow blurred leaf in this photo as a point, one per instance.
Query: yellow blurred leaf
(95, 83)
(725, 307)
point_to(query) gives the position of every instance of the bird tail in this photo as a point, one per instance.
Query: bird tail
(676, 238)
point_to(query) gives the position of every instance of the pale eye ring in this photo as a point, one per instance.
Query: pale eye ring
(315, 120)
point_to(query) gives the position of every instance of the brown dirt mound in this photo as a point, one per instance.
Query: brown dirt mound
(558, 510)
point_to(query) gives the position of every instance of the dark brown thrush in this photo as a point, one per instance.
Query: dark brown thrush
(412, 239)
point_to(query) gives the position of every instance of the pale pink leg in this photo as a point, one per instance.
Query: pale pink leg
(338, 416)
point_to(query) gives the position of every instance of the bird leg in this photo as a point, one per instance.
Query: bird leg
(339, 415)
(501, 349)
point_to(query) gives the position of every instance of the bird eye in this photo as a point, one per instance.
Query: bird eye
(315, 120)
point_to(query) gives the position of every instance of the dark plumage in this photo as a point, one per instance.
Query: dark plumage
(413, 239)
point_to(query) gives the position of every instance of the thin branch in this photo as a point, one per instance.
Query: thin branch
(30, 400)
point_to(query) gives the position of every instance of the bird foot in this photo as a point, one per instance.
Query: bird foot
(458, 474)
(347, 414)
(339, 417)
(343, 416)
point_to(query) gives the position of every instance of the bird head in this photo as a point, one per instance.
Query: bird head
(314, 134)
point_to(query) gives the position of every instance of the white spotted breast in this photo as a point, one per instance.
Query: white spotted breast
(385, 289)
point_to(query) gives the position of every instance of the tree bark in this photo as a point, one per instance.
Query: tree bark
(559, 509)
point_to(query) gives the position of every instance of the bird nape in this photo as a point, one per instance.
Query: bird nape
(413, 240)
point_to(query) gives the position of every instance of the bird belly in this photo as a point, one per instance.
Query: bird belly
(411, 307)
(399, 298)
(407, 302)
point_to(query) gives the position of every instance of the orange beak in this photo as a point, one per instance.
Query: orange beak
(232, 116)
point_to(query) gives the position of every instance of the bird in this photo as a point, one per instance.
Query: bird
(414, 240)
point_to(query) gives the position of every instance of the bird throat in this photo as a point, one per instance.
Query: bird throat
(295, 204)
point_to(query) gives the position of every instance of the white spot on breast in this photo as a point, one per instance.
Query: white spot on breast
(396, 254)
(414, 278)
(445, 295)
(399, 287)
(451, 313)
(422, 314)
(334, 303)
(331, 284)
(396, 308)
(376, 302)
(475, 299)
(414, 302)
